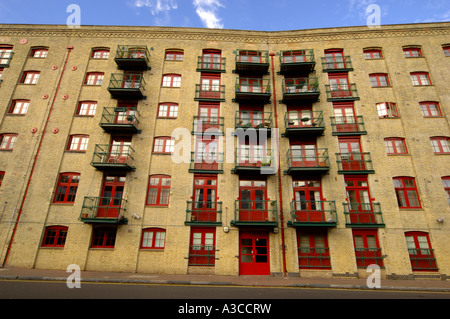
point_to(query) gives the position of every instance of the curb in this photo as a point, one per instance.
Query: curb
(207, 283)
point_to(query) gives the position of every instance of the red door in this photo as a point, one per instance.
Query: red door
(111, 197)
(250, 116)
(252, 201)
(251, 85)
(210, 88)
(334, 59)
(300, 117)
(303, 154)
(209, 117)
(339, 86)
(132, 81)
(351, 154)
(367, 248)
(254, 253)
(308, 201)
(120, 150)
(211, 59)
(344, 116)
(359, 201)
(126, 113)
(205, 199)
(206, 155)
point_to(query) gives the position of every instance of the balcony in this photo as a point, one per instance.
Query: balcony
(297, 61)
(313, 213)
(120, 120)
(314, 160)
(211, 64)
(301, 123)
(346, 92)
(113, 158)
(202, 255)
(314, 258)
(337, 64)
(103, 210)
(251, 90)
(252, 62)
(203, 213)
(206, 162)
(208, 125)
(368, 256)
(297, 90)
(127, 86)
(5, 58)
(363, 215)
(132, 57)
(354, 163)
(208, 93)
(422, 259)
(257, 120)
(257, 160)
(255, 213)
(348, 125)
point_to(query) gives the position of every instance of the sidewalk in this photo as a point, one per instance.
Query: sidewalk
(255, 281)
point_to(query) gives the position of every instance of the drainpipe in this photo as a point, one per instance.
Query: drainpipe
(69, 49)
(283, 247)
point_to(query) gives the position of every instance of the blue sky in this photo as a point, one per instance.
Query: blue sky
(229, 14)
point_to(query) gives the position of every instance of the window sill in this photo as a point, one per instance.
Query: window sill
(398, 154)
(50, 247)
(102, 248)
(441, 153)
(152, 249)
(64, 204)
(382, 87)
(402, 209)
(157, 206)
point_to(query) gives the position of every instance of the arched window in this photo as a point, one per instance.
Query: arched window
(420, 252)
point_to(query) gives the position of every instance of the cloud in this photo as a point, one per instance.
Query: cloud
(444, 17)
(207, 11)
(156, 6)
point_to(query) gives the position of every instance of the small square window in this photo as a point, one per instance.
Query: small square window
(8, 141)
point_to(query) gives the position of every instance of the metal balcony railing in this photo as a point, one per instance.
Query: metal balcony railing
(120, 119)
(127, 85)
(314, 257)
(354, 163)
(368, 256)
(132, 57)
(337, 63)
(422, 259)
(308, 159)
(5, 58)
(348, 125)
(313, 213)
(113, 157)
(252, 62)
(203, 212)
(342, 92)
(204, 125)
(108, 210)
(211, 64)
(209, 92)
(206, 162)
(253, 119)
(255, 212)
(202, 255)
(300, 89)
(363, 215)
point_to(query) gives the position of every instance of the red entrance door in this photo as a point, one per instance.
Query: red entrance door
(205, 199)
(345, 117)
(252, 201)
(254, 253)
(351, 155)
(206, 155)
(111, 197)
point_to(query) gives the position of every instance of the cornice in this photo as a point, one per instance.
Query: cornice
(273, 37)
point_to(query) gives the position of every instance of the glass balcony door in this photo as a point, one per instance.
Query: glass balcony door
(111, 197)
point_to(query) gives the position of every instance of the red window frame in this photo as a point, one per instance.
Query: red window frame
(440, 144)
(446, 50)
(395, 146)
(202, 246)
(19, 107)
(174, 55)
(422, 259)
(373, 54)
(100, 53)
(419, 80)
(406, 192)
(412, 52)
(94, 78)
(55, 236)
(153, 238)
(316, 255)
(87, 108)
(168, 110)
(367, 251)
(387, 110)
(78, 143)
(158, 192)
(163, 145)
(66, 188)
(430, 109)
(103, 237)
(39, 53)
(171, 81)
(445, 183)
(379, 80)
(8, 141)
(30, 77)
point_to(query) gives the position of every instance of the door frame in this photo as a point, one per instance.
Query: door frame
(260, 258)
